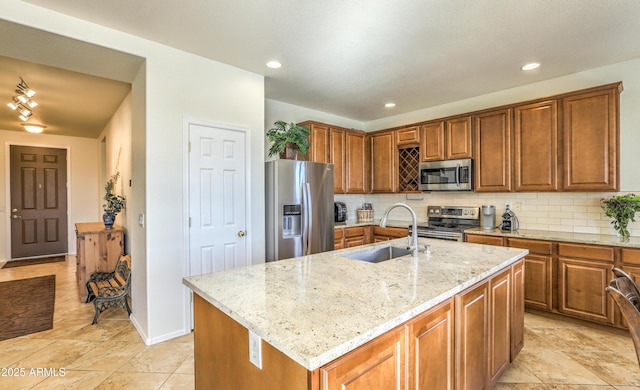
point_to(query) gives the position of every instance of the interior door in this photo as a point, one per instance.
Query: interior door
(38, 186)
(217, 199)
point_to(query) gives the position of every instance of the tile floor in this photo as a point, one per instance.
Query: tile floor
(111, 355)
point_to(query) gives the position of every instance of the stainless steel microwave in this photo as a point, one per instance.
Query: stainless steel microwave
(448, 175)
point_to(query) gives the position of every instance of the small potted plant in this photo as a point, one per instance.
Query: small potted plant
(115, 203)
(288, 140)
(622, 209)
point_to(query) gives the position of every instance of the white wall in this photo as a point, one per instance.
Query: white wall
(83, 183)
(225, 94)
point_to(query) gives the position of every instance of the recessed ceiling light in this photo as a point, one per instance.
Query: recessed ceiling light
(531, 66)
(274, 64)
(390, 105)
(33, 128)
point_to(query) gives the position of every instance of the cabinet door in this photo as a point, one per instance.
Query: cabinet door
(337, 157)
(591, 141)
(379, 364)
(538, 285)
(500, 307)
(581, 289)
(518, 275)
(432, 141)
(492, 134)
(356, 163)
(482, 239)
(536, 146)
(431, 349)
(458, 138)
(408, 136)
(471, 311)
(383, 162)
(319, 140)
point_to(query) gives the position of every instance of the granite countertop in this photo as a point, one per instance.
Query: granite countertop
(581, 238)
(376, 222)
(317, 308)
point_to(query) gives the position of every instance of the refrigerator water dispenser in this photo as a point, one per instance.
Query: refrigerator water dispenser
(291, 220)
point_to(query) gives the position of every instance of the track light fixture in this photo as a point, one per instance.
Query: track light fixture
(22, 102)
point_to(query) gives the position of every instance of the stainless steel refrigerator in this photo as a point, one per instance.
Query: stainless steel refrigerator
(299, 208)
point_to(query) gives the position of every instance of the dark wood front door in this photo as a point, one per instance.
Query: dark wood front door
(38, 201)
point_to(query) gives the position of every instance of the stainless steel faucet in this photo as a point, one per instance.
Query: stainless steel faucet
(414, 226)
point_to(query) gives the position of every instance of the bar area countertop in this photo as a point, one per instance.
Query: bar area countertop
(316, 308)
(581, 238)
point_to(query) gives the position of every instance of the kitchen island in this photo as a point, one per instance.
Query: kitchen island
(326, 319)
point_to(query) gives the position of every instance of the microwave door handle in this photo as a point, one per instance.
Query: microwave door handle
(458, 174)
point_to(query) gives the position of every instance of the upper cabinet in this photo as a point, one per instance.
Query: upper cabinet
(432, 141)
(446, 139)
(383, 161)
(408, 136)
(356, 168)
(536, 146)
(337, 156)
(492, 133)
(591, 140)
(319, 140)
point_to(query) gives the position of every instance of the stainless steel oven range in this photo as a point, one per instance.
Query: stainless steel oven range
(449, 222)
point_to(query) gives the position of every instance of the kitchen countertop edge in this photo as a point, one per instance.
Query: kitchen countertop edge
(550, 235)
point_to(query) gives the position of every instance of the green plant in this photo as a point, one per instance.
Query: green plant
(288, 133)
(622, 209)
(115, 203)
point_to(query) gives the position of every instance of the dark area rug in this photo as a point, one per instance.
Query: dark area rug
(39, 260)
(26, 306)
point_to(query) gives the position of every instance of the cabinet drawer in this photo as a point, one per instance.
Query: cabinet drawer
(630, 256)
(338, 233)
(481, 239)
(391, 232)
(534, 246)
(354, 231)
(592, 252)
(409, 135)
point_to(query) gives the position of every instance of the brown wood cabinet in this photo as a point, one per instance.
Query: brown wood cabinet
(383, 162)
(591, 140)
(97, 250)
(472, 319)
(492, 133)
(337, 154)
(538, 264)
(338, 238)
(379, 364)
(355, 236)
(356, 165)
(408, 136)
(584, 272)
(431, 349)
(482, 239)
(432, 141)
(518, 278)
(630, 263)
(389, 233)
(499, 329)
(319, 142)
(536, 146)
(458, 138)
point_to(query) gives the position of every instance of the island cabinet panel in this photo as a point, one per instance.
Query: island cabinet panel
(518, 277)
(432, 141)
(538, 285)
(383, 162)
(492, 132)
(591, 140)
(379, 364)
(500, 306)
(431, 349)
(222, 357)
(536, 146)
(337, 158)
(472, 312)
(583, 273)
(458, 138)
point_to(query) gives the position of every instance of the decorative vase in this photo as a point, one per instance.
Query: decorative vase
(108, 220)
(290, 152)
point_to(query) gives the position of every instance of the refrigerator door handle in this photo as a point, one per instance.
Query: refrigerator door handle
(305, 220)
(309, 218)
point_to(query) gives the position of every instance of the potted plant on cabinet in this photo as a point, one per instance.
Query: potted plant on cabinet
(621, 209)
(115, 203)
(289, 140)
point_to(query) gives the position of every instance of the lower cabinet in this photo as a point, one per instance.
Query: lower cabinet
(538, 291)
(389, 233)
(472, 319)
(355, 236)
(379, 364)
(500, 313)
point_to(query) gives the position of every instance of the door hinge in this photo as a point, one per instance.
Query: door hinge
(189, 221)
(189, 147)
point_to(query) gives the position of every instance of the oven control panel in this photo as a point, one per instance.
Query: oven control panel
(453, 212)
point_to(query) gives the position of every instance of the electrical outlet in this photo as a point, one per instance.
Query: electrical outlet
(508, 205)
(517, 207)
(255, 349)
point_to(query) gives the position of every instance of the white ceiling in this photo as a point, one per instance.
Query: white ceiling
(350, 57)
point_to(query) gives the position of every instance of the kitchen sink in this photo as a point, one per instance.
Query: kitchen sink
(379, 254)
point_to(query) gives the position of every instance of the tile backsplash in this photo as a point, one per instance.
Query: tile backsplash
(577, 212)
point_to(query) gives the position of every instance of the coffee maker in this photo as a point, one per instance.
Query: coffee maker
(509, 220)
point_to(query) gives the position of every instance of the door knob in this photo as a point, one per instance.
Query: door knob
(241, 233)
(14, 210)
(16, 216)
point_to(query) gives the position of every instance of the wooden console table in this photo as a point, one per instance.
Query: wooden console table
(97, 250)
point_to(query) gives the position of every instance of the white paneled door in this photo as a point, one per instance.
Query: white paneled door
(217, 198)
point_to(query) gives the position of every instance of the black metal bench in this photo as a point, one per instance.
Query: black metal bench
(110, 289)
